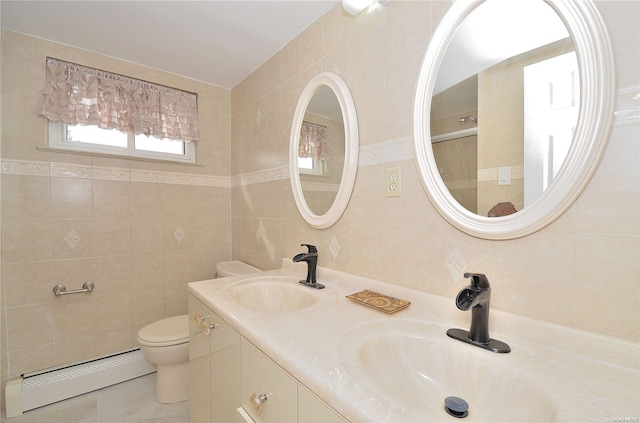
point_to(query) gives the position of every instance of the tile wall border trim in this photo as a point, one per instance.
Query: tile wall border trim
(387, 151)
(71, 170)
(267, 175)
(627, 110)
(396, 149)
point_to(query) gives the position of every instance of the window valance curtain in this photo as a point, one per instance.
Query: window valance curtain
(313, 142)
(78, 94)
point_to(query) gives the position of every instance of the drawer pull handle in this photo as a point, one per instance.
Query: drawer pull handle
(207, 327)
(258, 401)
(199, 318)
(204, 322)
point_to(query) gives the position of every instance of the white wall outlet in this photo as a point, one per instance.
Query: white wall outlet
(393, 182)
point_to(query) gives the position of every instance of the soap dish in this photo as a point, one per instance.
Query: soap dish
(378, 301)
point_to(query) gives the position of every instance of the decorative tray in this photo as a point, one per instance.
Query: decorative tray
(378, 301)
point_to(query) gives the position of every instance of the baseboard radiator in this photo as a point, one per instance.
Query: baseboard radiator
(45, 387)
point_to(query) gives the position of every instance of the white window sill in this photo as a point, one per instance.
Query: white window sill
(117, 156)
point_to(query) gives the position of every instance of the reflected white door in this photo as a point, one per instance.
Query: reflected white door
(551, 103)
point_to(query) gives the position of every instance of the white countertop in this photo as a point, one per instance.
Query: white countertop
(582, 375)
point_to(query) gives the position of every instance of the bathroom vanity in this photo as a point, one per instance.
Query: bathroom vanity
(265, 348)
(233, 381)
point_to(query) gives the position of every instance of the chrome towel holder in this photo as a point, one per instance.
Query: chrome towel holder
(62, 290)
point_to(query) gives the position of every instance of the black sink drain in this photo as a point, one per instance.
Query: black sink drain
(457, 407)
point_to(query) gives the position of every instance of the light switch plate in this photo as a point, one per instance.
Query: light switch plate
(504, 175)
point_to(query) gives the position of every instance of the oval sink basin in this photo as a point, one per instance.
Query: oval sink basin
(421, 366)
(272, 293)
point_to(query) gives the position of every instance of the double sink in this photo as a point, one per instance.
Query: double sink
(375, 367)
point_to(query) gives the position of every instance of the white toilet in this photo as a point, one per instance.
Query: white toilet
(165, 343)
(234, 268)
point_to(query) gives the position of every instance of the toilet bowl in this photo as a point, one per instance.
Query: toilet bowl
(165, 343)
(234, 268)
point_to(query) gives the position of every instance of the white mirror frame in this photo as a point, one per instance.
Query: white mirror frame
(597, 90)
(352, 144)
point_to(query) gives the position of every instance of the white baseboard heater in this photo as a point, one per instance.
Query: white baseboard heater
(45, 387)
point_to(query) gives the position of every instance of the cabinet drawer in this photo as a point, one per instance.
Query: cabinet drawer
(261, 376)
(222, 336)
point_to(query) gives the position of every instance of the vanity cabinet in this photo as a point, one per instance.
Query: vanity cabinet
(214, 366)
(226, 370)
(269, 395)
(277, 395)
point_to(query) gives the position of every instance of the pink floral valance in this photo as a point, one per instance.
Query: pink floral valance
(78, 94)
(313, 142)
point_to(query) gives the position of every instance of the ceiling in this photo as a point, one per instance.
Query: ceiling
(216, 41)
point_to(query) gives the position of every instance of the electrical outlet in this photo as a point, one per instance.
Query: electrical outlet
(393, 182)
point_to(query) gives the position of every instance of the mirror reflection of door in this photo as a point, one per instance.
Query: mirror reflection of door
(478, 125)
(321, 151)
(551, 98)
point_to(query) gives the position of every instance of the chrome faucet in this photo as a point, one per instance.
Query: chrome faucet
(311, 257)
(476, 297)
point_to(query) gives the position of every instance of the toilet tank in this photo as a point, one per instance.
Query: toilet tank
(234, 268)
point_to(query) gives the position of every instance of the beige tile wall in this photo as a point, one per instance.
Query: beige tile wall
(1, 267)
(71, 218)
(583, 270)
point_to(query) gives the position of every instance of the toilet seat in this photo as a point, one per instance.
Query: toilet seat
(165, 332)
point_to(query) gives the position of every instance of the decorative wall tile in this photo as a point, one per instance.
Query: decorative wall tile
(334, 247)
(22, 167)
(261, 176)
(386, 151)
(72, 239)
(153, 176)
(398, 149)
(179, 234)
(211, 181)
(70, 170)
(491, 174)
(627, 107)
(456, 264)
(371, 154)
(110, 173)
(178, 178)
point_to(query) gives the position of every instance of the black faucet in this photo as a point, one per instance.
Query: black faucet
(311, 258)
(476, 297)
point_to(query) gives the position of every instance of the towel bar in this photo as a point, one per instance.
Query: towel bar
(62, 290)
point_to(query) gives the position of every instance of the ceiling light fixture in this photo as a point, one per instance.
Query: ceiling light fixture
(354, 7)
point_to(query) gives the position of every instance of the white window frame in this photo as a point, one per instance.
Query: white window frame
(58, 140)
(318, 167)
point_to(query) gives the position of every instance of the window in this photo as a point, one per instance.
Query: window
(313, 150)
(311, 166)
(96, 111)
(93, 139)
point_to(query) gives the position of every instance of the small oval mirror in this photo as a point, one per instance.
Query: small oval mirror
(323, 152)
(500, 207)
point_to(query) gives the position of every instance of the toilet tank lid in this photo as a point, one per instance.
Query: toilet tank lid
(166, 330)
(235, 267)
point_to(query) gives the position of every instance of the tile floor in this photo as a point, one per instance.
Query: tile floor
(128, 402)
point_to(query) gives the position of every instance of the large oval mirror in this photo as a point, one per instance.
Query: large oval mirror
(513, 111)
(323, 152)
